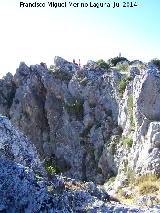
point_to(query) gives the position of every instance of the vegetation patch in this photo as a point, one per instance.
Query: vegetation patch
(156, 62)
(50, 169)
(112, 179)
(114, 61)
(64, 76)
(127, 142)
(122, 86)
(75, 108)
(101, 64)
(129, 78)
(123, 83)
(112, 148)
(123, 67)
(130, 111)
(148, 184)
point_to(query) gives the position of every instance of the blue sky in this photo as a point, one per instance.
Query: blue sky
(36, 35)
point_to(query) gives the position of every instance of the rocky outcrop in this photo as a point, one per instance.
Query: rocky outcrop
(24, 188)
(67, 108)
(15, 146)
(7, 93)
(137, 152)
(84, 120)
(20, 192)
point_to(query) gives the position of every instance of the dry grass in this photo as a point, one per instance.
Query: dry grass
(149, 184)
(144, 185)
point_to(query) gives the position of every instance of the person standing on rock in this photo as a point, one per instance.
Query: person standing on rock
(75, 62)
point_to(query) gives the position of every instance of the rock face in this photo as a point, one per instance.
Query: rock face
(139, 118)
(23, 190)
(19, 162)
(7, 92)
(19, 190)
(78, 117)
(67, 115)
(15, 146)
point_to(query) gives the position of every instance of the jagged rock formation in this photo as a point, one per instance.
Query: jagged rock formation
(22, 189)
(82, 119)
(15, 146)
(140, 119)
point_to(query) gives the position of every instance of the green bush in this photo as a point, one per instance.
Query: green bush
(156, 62)
(75, 108)
(128, 141)
(50, 168)
(122, 86)
(101, 64)
(116, 60)
(123, 83)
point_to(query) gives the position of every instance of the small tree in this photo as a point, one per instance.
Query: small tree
(114, 61)
(156, 62)
(101, 64)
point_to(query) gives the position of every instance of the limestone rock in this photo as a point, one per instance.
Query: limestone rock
(90, 64)
(20, 192)
(16, 147)
(77, 116)
(7, 93)
(134, 71)
(58, 61)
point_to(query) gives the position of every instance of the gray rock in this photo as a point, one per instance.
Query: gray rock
(7, 93)
(136, 62)
(43, 108)
(20, 192)
(134, 71)
(78, 124)
(16, 147)
(58, 61)
(90, 64)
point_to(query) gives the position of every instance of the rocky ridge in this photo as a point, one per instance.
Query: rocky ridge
(94, 123)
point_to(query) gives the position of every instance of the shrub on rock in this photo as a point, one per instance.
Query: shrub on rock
(101, 64)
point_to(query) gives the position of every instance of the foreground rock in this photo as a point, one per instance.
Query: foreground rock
(15, 146)
(24, 190)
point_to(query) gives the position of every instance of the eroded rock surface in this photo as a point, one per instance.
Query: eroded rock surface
(22, 189)
(81, 118)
